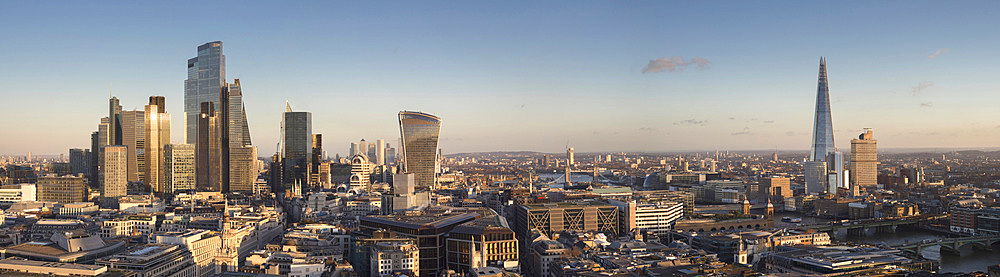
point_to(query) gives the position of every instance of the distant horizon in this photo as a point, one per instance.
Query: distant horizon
(903, 150)
(519, 75)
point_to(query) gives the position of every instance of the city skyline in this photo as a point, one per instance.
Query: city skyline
(666, 86)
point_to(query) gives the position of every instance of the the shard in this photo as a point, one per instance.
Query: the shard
(822, 141)
(824, 168)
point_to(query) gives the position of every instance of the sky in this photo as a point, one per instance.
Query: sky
(599, 76)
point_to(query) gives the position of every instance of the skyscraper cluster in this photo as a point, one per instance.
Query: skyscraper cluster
(135, 146)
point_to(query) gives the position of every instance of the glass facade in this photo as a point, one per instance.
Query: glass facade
(297, 146)
(206, 77)
(420, 143)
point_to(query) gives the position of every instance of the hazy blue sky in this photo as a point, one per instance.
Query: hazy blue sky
(508, 75)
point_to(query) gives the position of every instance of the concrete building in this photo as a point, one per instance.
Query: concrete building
(63, 189)
(78, 208)
(775, 189)
(487, 241)
(864, 160)
(114, 172)
(655, 217)
(388, 258)
(550, 218)
(76, 246)
(428, 229)
(242, 168)
(153, 260)
(10, 194)
(20, 265)
(202, 244)
(361, 170)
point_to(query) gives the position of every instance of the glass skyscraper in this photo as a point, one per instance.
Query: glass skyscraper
(420, 133)
(822, 168)
(296, 142)
(206, 77)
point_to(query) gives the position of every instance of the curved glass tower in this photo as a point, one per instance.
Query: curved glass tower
(420, 142)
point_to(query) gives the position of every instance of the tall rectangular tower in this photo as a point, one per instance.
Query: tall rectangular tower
(864, 160)
(296, 145)
(157, 135)
(206, 75)
(179, 167)
(115, 172)
(380, 152)
(420, 133)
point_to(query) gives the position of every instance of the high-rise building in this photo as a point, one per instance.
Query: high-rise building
(234, 136)
(362, 147)
(179, 167)
(570, 158)
(157, 135)
(420, 133)
(380, 152)
(114, 172)
(206, 75)
(133, 136)
(242, 168)
(296, 137)
(78, 160)
(354, 149)
(775, 189)
(864, 160)
(208, 148)
(93, 162)
(317, 152)
(817, 168)
(361, 170)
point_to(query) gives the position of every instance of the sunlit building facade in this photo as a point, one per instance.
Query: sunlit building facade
(420, 133)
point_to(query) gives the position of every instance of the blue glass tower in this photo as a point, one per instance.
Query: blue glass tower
(822, 141)
(822, 171)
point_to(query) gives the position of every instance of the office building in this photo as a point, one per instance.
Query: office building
(420, 133)
(157, 135)
(570, 158)
(62, 189)
(208, 147)
(133, 136)
(817, 168)
(202, 244)
(206, 75)
(404, 196)
(78, 160)
(114, 172)
(550, 218)
(93, 161)
(429, 229)
(31, 268)
(10, 194)
(160, 260)
(296, 142)
(774, 189)
(317, 158)
(653, 217)
(361, 170)
(487, 241)
(380, 152)
(396, 257)
(179, 168)
(242, 169)
(864, 160)
(354, 149)
(234, 137)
